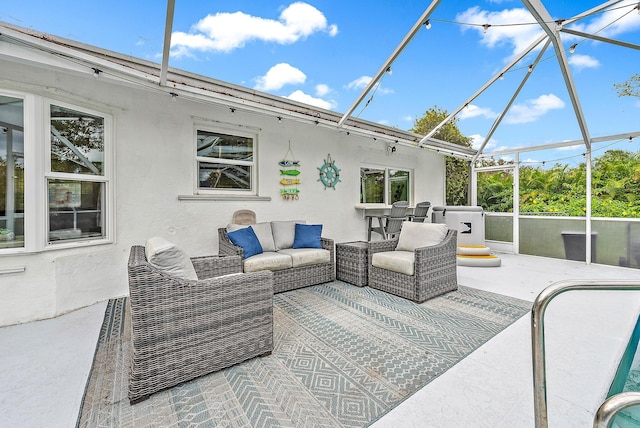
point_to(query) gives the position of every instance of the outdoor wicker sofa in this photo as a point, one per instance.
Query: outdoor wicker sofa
(435, 270)
(182, 329)
(292, 277)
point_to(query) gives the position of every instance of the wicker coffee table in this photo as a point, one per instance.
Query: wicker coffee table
(351, 262)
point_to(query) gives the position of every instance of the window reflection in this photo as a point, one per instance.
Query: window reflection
(11, 172)
(75, 210)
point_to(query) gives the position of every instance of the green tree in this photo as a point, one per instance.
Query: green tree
(457, 170)
(629, 88)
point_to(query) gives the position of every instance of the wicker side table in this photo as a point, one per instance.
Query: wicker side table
(351, 262)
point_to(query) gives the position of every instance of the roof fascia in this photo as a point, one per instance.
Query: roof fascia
(49, 44)
(186, 85)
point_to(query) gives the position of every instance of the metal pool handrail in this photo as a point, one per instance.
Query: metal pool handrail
(612, 405)
(537, 333)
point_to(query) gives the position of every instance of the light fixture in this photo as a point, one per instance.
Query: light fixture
(389, 70)
(279, 119)
(638, 7)
(233, 110)
(317, 122)
(485, 27)
(530, 68)
(174, 96)
(573, 47)
(96, 72)
(630, 139)
(501, 76)
(427, 24)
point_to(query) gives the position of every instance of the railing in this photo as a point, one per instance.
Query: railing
(610, 408)
(537, 338)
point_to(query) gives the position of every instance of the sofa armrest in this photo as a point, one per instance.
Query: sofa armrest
(212, 266)
(442, 254)
(226, 247)
(328, 244)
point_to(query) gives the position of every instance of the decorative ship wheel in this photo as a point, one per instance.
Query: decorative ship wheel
(329, 173)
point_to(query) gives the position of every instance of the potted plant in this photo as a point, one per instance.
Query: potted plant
(6, 234)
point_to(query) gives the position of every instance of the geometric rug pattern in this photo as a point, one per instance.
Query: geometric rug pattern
(344, 356)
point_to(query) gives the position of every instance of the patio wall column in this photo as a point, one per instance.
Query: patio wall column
(516, 204)
(588, 205)
(10, 200)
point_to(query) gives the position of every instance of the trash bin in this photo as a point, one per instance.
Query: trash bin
(575, 247)
(467, 220)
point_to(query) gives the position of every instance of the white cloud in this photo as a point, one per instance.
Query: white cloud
(362, 82)
(224, 32)
(308, 99)
(477, 140)
(531, 110)
(518, 37)
(278, 76)
(474, 111)
(618, 16)
(408, 118)
(579, 61)
(322, 90)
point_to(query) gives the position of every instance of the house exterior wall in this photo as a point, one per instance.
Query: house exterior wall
(154, 164)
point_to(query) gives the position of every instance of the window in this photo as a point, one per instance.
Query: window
(384, 185)
(225, 162)
(75, 176)
(63, 153)
(11, 172)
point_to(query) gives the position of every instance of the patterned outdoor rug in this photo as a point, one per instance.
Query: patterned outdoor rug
(344, 356)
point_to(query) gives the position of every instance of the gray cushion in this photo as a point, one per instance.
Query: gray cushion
(262, 230)
(307, 256)
(284, 232)
(397, 261)
(169, 258)
(417, 235)
(267, 261)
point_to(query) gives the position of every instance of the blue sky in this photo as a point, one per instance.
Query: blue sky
(323, 53)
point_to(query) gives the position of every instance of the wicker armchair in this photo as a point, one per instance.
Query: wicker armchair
(182, 329)
(435, 270)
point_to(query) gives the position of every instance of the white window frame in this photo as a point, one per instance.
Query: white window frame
(207, 127)
(37, 165)
(387, 183)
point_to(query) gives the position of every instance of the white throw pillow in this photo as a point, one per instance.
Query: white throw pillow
(417, 235)
(169, 258)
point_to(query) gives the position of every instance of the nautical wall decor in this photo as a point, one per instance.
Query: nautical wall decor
(329, 173)
(289, 176)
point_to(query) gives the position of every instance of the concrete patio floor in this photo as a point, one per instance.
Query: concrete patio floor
(45, 364)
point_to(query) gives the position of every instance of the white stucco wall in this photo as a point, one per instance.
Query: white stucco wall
(154, 163)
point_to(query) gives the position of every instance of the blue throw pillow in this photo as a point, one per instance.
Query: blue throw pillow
(307, 236)
(247, 239)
